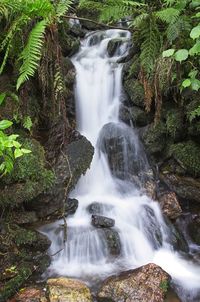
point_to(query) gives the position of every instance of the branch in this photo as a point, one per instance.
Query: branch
(95, 22)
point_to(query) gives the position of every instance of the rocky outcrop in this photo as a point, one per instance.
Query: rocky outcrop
(102, 221)
(71, 206)
(170, 205)
(184, 187)
(70, 165)
(112, 46)
(68, 290)
(145, 284)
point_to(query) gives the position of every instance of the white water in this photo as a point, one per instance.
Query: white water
(138, 220)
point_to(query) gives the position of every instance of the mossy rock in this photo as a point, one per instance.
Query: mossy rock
(154, 138)
(14, 284)
(135, 91)
(113, 45)
(29, 178)
(175, 124)
(187, 155)
(69, 44)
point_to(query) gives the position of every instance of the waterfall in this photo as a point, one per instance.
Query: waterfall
(112, 186)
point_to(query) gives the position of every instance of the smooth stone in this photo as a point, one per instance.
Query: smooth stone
(102, 221)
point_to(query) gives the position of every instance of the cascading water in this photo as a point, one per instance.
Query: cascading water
(140, 234)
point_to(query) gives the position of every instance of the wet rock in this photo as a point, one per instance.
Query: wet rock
(151, 226)
(145, 284)
(69, 44)
(95, 208)
(194, 229)
(175, 237)
(170, 205)
(102, 221)
(113, 45)
(150, 189)
(71, 206)
(113, 241)
(70, 165)
(30, 294)
(134, 115)
(125, 154)
(133, 50)
(68, 290)
(98, 208)
(185, 187)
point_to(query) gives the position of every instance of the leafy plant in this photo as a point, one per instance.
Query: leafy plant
(10, 148)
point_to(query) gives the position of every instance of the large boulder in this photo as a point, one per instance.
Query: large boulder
(71, 206)
(125, 154)
(68, 290)
(70, 165)
(170, 205)
(145, 284)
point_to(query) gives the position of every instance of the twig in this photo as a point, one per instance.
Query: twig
(57, 252)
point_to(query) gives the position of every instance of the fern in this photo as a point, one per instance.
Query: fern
(176, 29)
(31, 54)
(150, 46)
(62, 7)
(168, 15)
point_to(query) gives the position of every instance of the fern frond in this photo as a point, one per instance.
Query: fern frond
(168, 15)
(62, 8)
(31, 54)
(150, 46)
(7, 43)
(176, 29)
(37, 8)
(59, 85)
(138, 20)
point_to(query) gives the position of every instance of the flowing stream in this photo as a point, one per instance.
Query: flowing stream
(112, 185)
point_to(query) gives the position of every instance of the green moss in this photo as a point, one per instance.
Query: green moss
(29, 178)
(174, 123)
(134, 68)
(13, 285)
(135, 91)
(164, 285)
(187, 154)
(23, 237)
(155, 138)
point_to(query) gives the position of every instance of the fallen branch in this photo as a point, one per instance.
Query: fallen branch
(95, 22)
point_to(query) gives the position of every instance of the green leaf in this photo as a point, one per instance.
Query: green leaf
(4, 124)
(195, 49)
(195, 32)
(16, 144)
(186, 83)
(18, 153)
(195, 84)
(25, 151)
(181, 55)
(168, 53)
(2, 98)
(193, 73)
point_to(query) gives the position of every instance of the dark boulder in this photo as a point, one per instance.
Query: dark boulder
(102, 221)
(194, 229)
(125, 154)
(70, 165)
(113, 45)
(113, 241)
(71, 206)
